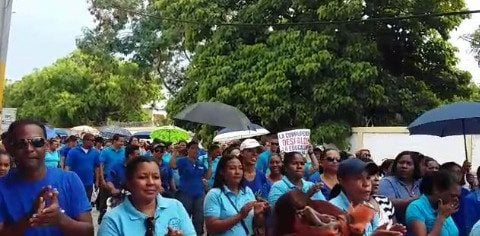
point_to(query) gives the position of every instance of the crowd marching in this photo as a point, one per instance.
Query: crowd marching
(49, 187)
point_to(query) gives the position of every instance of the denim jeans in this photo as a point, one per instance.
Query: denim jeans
(194, 207)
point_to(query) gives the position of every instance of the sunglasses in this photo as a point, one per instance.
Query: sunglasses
(276, 144)
(36, 142)
(331, 159)
(150, 225)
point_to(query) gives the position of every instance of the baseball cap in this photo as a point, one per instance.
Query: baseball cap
(354, 167)
(249, 143)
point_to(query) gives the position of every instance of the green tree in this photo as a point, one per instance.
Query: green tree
(83, 89)
(326, 77)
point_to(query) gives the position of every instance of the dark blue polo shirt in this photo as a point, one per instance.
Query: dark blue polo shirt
(191, 175)
(83, 164)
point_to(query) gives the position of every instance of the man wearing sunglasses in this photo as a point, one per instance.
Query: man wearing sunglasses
(84, 161)
(36, 200)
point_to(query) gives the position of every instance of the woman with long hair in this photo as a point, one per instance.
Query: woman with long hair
(230, 207)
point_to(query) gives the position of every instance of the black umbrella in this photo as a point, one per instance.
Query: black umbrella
(216, 114)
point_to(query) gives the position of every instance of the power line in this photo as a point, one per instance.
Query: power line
(313, 23)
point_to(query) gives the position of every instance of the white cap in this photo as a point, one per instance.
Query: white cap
(249, 143)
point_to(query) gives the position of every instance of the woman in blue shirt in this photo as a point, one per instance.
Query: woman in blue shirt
(431, 213)
(329, 159)
(293, 172)
(231, 207)
(254, 178)
(145, 211)
(402, 187)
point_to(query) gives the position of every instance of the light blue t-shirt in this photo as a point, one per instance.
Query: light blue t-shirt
(264, 161)
(52, 159)
(421, 210)
(125, 219)
(284, 186)
(475, 229)
(217, 205)
(342, 202)
(167, 157)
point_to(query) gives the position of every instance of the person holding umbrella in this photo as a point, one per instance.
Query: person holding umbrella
(191, 188)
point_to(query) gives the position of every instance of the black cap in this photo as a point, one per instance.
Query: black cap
(355, 166)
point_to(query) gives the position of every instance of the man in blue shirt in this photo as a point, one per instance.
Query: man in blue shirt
(116, 178)
(108, 158)
(84, 161)
(191, 188)
(71, 142)
(264, 157)
(36, 200)
(213, 155)
(471, 210)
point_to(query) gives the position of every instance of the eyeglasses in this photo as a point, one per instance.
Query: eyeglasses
(150, 225)
(23, 143)
(331, 159)
(276, 144)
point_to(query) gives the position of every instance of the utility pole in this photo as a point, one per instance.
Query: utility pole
(5, 16)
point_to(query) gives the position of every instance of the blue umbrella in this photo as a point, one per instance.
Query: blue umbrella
(50, 132)
(142, 134)
(108, 132)
(460, 118)
(61, 132)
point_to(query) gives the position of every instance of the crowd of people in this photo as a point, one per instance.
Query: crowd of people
(49, 187)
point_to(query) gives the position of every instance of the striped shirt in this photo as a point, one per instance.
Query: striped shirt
(387, 211)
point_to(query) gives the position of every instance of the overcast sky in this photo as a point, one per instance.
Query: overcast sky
(43, 31)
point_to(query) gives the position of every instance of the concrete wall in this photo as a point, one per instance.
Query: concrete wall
(387, 142)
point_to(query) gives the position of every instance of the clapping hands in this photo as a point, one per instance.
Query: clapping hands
(47, 210)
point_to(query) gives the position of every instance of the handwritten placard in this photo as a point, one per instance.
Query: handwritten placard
(294, 140)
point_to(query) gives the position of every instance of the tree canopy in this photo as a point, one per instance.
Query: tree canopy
(327, 77)
(83, 89)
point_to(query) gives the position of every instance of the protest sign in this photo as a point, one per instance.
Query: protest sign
(294, 140)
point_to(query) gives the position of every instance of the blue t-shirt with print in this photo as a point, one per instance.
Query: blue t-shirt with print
(260, 185)
(17, 198)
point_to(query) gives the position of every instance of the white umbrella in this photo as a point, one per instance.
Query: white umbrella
(84, 129)
(227, 134)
